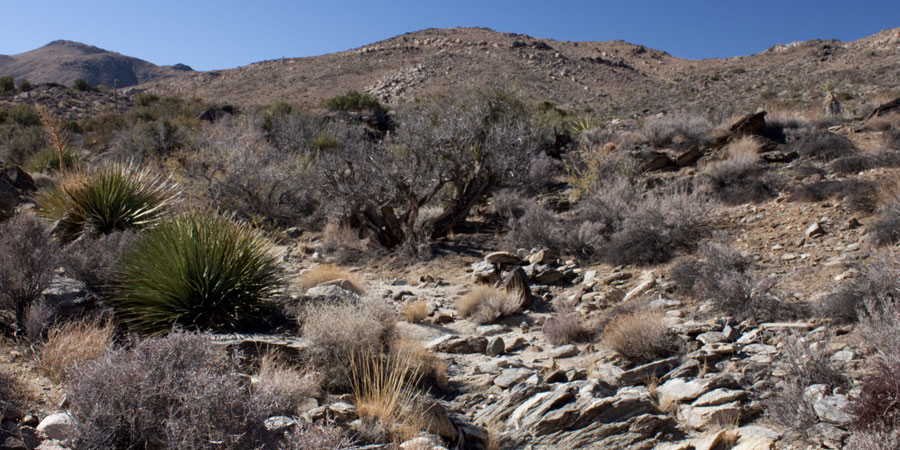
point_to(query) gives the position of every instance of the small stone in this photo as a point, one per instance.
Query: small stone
(495, 347)
(827, 435)
(31, 420)
(564, 351)
(814, 230)
(788, 256)
(60, 426)
(399, 296)
(516, 344)
(711, 337)
(279, 423)
(842, 356)
(540, 257)
(510, 377)
(853, 224)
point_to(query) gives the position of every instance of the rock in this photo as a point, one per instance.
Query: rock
(511, 377)
(279, 423)
(607, 373)
(9, 412)
(332, 291)
(30, 436)
(502, 259)
(516, 344)
(9, 441)
(833, 409)
(890, 107)
(679, 390)
(484, 272)
(719, 396)
(293, 232)
(458, 344)
(549, 276)
(827, 435)
(399, 295)
(343, 284)
(711, 337)
(642, 373)
(647, 282)
(495, 347)
(701, 417)
(748, 125)
(539, 257)
(52, 444)
(420, 443)
(516, 283)
(754, 443)
(615, 277)
(60, 426)
(31, 420)
(842, 356)
(814, 230)
(15, 185)
(564, 351)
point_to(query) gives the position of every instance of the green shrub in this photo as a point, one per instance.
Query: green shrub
(113, 197)
(24, 115)
(84, 85)
(352, 101)
(145, 99)
(25, 85)
(47, 160)
(198, 270)
(7, 85)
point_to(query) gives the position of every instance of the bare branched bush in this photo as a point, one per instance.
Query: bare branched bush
(286, 385)
(640, 336)
(485, 304)
(536, 227)
(29, 257)
(150, 140)
(180, 391)
(336, 330)
(72, 343)
(804, 362)
(683, 129)
(93, 260)
(877, 408)
(565, 327)
(307, 436)
(739, 179)
(858, 195)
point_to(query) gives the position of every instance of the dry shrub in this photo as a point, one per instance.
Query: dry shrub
(72, 343)
(641, 336)
(416, 311)
(93, 260)
(878, 284)
(29, 256)
(535, 227)
(308, 436)
(344, 244)
(877, 408)
(485, 304)
(431, 368)
(180, 391)
(682, 129)
(873, 440)
(565, 327)
(824, 146)
(339, 329)
(738, 179)
(384, 389)
(288, 386)
(885, 229)
(804, 362)
(858, 195)
(329, 272)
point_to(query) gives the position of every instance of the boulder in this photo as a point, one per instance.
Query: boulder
(495, 346)
(702, 417)
(510, 377)
(458, 344)
(503, 259)
(59, 426)
(833, 409)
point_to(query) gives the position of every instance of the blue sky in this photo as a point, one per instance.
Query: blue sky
(228, 33)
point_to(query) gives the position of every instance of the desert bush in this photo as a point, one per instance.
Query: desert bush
(824, 146)
(308, 436)
(431, 369)
(873, 440)
(30, 256)
(25, 85)
(24, 115)
(892, 140)
(588, 167)
(804, 361)
(18, 143)
(877, 408)
(150, 139)
(535, 227)
(721, 275)
(565, 327)
(197, 270)
(641, 336)
(485, 304)
(337, 330)
(885, 229)
(84, 86)
(7, 85)
(740, 178)
(286, 385)
(352, 101)
(416, 311)
(181, 391)
(145, 99)
(682, 129)
(47, 160)
(237, 169)
(324, 273)
(878, 284)
(858, 195)
(112, 197)
(93, 261)
(73, 343)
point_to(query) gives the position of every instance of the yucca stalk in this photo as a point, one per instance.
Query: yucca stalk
(56, 132)
(113, 197)
(199, 271)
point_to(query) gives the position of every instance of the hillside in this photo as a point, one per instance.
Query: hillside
(65, 61)
(608, 77)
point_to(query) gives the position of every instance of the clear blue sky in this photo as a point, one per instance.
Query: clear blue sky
(228, 33)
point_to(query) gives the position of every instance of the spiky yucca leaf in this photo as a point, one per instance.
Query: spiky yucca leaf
(197, 270)
(113, 197)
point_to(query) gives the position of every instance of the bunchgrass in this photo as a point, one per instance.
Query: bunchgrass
(383, 388)
(197, 270)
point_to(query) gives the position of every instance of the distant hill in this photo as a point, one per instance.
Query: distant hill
(65, 61)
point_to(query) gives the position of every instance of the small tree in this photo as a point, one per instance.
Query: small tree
(7, 85)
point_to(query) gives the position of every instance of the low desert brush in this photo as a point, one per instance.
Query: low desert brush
(383, 388)
(288, 386)
(431, 367)
(565, 327)
(640, 336)
(29, 257)
(416, 310)
(74, 342)
(485, 304)
(197, 270)
(329, 272)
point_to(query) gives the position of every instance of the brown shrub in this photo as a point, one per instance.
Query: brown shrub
(308, 436)
(29, 256)
(383, 389)
(823, 145)
(877, 408)
(416, 311)
(73, 343)
(740, 178)
(432, 368)
(877, 285)
(885, 229)
(858, 195)
(93, 260)
(288, 386)
(485, 304)
(641, 336)
(565, 327)
(329, 272)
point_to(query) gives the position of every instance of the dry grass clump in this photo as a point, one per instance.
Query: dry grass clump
(641, 336)
(415, 311)
(288, 386)
(383, 389)
(337, 330)
(432, 368)
(72, 343)
(858, 195)
(565, 327)
(885, 229)
(329, 272)
(738, 179)
(485, 304)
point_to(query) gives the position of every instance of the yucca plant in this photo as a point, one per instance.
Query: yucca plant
(113, 197)
(199, 271)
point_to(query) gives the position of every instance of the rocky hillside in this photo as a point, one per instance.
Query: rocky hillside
(65, 61)
(615, 78)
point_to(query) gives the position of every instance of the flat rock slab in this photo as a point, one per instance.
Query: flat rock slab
(510, 377)
(719, 397)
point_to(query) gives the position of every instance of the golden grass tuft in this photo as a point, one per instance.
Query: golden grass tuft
(433, 369)
(640, 336)
(74, 342)
(384, 389)
(330, 272)
(484, 304)
(415, 311)
(746, 145)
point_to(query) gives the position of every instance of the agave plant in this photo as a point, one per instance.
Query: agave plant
(198, 271)
(113, 197)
